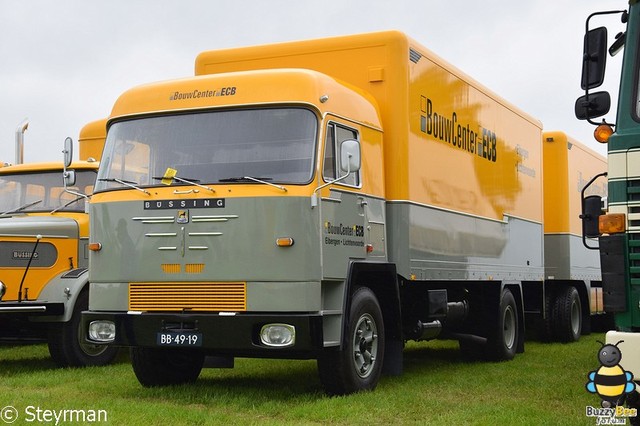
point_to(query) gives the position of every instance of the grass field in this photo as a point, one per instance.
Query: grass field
(545, 385)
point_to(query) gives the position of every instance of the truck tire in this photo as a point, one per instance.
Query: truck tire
(67, 345)
(567, 315)
(358, 365)
(547, 327)
(165, 367)
(503, 343)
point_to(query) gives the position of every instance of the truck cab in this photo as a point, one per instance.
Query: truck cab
(44, 233)
(613, 222)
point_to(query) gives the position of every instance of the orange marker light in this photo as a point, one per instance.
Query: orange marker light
(613, 223)
(284, 242)
(95, 246)
(602, 133)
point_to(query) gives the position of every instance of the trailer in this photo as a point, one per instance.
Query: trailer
(572, 293)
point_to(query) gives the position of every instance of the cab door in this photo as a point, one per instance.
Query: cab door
(342, 211)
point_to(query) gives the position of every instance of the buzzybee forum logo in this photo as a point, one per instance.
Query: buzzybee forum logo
(612, 384)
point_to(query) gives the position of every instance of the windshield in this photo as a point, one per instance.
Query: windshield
(43, 192)
(274, 145)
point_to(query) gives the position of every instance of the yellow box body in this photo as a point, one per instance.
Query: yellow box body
(449, 142)
(568, 166)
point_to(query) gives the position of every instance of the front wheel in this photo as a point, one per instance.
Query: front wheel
(359, 364)
(165, 367)
(503, 343)
(67, 345)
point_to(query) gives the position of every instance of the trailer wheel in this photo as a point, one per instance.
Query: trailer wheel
(165, 367)
(547, 327)
(502, 345)
(567, 315)
(358, 365)
(67, 345)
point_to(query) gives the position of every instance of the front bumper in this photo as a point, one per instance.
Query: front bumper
(236, 335)
(32, 308)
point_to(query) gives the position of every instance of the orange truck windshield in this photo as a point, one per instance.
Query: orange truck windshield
(43, 192)
(272, 144)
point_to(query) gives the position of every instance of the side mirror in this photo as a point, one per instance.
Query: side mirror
(350, 161)
(69, 178)
(68, 152)
(350, 156)
(594, 59)
(592, 105)
(591, 211)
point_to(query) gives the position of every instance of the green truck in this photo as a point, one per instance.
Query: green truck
(612, 225)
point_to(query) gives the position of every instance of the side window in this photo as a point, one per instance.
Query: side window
(337, 134)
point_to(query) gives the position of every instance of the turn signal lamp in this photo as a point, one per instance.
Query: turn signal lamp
(95, 246)
(603, 132)
(613, 223)
(284, 242)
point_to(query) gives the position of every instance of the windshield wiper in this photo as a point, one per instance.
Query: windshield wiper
(125, 183)
(262, 180)
(75, 200)
(18, 209)
(190, 181)
(245, 179)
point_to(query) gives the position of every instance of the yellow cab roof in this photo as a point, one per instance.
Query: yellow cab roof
(47, 167)
(245, 88)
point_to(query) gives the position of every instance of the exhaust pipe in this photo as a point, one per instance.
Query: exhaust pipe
(22, 127)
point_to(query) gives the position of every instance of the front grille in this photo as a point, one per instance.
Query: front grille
(231, 296)
(171, 268)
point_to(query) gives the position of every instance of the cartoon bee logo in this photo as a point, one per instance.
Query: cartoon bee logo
(610, 381)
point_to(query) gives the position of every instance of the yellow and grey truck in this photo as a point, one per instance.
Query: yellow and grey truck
(44, 232)
(615, 221)
(326, 199)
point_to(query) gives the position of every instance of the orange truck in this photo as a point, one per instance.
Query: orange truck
(44, 232)
(325, 199)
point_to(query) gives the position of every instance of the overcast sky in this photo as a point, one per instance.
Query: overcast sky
(65, 62)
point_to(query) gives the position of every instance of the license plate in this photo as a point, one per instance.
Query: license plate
(179, 338)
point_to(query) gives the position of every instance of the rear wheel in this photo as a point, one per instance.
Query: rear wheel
(165, 367)
(359, 364)
(502, 344)
(67, 345)
(567, 315)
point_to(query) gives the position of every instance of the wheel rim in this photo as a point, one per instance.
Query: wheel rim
(365, 345)
(575, 317)
(509, 327)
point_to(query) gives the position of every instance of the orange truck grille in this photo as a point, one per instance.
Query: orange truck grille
(231, 296)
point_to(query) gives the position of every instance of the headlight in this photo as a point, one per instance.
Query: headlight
(278, 335)
(102, 331)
